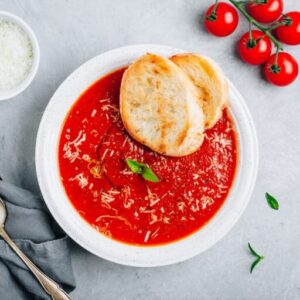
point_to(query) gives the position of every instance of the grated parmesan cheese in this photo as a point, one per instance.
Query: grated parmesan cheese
(82, 180)
(147, 236)
(16, 55)
(188, 193)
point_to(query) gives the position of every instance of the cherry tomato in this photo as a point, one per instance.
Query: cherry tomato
(223, 21)
(266, 12)
(257, 50)
(290, 33)
(284, 72)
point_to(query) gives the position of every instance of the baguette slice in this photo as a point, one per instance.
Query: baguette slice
(210, 82)
(159, 107)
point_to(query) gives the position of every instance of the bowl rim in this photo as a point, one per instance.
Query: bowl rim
(81, 232)
(4, 95)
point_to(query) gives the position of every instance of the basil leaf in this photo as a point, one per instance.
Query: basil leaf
(134, 166)
(142, 169)
(273, 203)
(258, 260)
(149, 175)
(253, 251)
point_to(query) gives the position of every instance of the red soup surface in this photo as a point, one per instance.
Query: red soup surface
(121, 205)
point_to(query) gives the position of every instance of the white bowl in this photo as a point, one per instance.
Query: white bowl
(36, 56)
(78, 229)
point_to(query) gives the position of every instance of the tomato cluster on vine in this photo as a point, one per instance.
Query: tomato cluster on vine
(255, 46)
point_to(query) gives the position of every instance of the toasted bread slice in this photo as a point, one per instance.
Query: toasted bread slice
(159, 107)
(210, 82)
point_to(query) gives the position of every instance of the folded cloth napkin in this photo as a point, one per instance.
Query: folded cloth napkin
(32, 228)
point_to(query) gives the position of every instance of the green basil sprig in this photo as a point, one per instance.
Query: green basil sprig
(258, 257)
(142, 169)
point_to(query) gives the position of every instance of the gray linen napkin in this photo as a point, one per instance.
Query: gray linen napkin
(34, 231)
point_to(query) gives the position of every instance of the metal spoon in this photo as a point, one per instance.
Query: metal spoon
(50, 286)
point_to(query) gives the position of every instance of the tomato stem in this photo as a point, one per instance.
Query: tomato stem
(265, 30)
(215, 7)
(213, 15)
(275, 67)
(260, 1)
(276, 57)
(287, 21)
(250, 31)
(276, 25)
(252, 1)
(251, 43)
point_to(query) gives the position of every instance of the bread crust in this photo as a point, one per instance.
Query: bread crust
(210, 82)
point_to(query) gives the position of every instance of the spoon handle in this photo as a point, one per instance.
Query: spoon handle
(50, 286)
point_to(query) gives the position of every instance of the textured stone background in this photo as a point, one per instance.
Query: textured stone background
(71, 32)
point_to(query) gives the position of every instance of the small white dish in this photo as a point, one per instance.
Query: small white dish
(78, 229)
(36, 56)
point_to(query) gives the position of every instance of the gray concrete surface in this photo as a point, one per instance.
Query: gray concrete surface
(71, 32)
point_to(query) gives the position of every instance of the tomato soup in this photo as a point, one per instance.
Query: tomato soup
(123, 206)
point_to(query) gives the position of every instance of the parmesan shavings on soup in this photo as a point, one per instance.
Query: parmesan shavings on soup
(16, 55)
(122, 205)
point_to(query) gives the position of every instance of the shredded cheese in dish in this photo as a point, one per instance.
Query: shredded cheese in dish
(16, 55)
